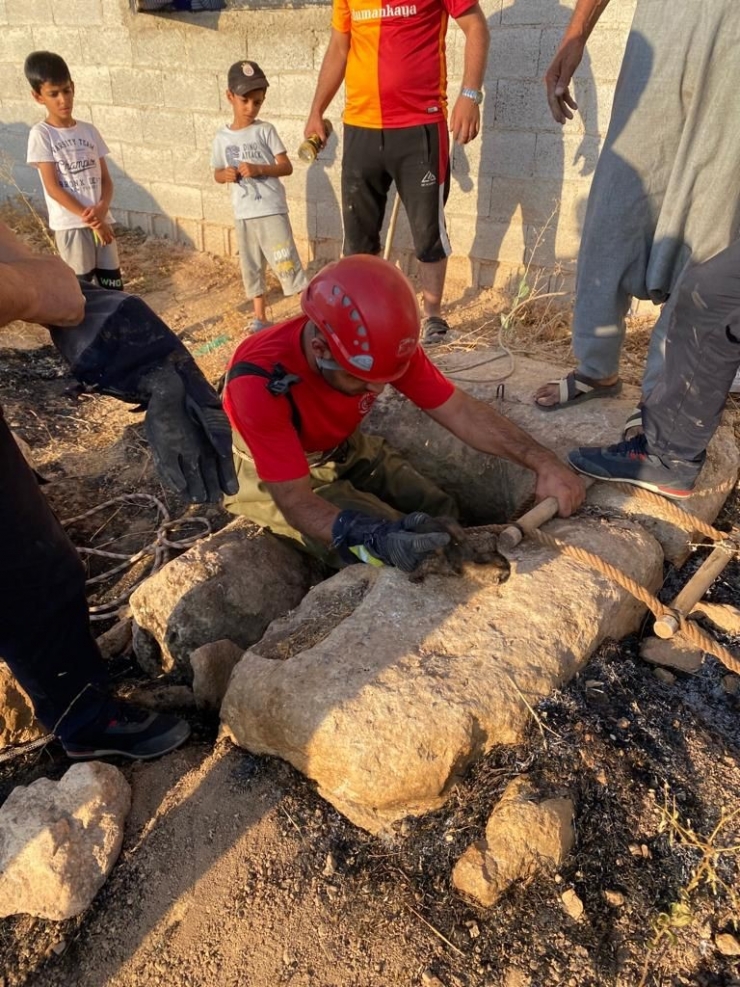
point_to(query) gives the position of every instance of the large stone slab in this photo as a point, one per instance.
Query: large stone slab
(230, 585)
(491, 489)
(60, 839)
(383, 690)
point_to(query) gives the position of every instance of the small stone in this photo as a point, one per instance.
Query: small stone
(429, 980)
(661, 651)
(727, 944)
(330, 867)
(288, 958)
(624, 723)
(572, 904)
(59, 947)
(663, 675)
(614, 898)
(473, 929)
(405, 827)
(731, 684)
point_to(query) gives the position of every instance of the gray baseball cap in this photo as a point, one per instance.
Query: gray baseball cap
(244, 77)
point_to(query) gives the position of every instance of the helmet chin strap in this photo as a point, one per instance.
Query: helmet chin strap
(325, 364)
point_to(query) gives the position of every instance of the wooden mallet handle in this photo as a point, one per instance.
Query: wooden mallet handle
(546, 510)
(694, 590)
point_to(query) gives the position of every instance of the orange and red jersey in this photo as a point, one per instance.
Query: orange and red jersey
(396, 69)
(327, 417)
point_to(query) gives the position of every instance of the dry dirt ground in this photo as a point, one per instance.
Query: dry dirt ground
(234, 871)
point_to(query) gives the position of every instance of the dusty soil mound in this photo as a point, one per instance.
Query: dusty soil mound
(235, 872)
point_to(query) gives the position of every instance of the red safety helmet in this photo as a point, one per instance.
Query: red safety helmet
(367, 310)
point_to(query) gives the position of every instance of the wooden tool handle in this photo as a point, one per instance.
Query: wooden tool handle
(546, 510)
(693, 591)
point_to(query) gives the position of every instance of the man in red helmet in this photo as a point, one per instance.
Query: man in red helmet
(297, 393)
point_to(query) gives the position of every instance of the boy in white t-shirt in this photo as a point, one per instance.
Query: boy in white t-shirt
(70, 157)
(249, 155)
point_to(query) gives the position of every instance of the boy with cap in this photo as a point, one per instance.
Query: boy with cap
(70, 157)
(249, 155)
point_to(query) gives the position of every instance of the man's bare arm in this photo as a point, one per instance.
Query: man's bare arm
(465, 116)
(568, 58)
(480, 426)
(36, 288)
(331, 76)
(303, 509)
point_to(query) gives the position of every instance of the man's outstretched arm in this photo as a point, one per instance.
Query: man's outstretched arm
(480, 426)
(331, 76)
(465, 116)
(36, 287)
(568, 58)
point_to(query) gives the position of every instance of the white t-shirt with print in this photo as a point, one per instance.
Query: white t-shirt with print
(258, 143)
(76, 153)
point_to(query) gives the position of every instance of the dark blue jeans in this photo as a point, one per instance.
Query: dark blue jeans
(702, 355)
(45, 634)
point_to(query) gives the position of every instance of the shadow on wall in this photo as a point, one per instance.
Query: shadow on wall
(132, 206)
(523, 168)
(327, 243)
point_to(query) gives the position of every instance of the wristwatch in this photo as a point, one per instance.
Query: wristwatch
(475, 94)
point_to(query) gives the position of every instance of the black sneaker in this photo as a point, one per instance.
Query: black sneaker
(630, 462)
(124, 730)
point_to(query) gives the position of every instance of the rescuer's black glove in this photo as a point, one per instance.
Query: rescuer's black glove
(404, 543)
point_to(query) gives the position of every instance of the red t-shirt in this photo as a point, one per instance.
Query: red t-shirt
(328, 417)
(396, 73)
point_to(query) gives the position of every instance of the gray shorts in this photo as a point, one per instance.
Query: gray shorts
(83, 253)
(269, 239)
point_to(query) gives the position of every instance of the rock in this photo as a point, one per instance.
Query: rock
(18, 725)
(663, 675)
(428, 979)
(116, 640)
(523, 837)
(724, 616)
(572, 904)
(457, 661)
(731, 684)
(471, 476)
(60, 839)
(727, 944)
(212, 667)
(230, 585)
(672, 652)
(614, 898)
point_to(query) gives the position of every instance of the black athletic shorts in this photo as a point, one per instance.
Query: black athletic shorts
(417, 160)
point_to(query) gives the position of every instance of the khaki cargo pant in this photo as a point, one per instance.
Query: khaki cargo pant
(363, 474)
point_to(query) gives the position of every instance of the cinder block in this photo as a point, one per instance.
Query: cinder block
(163, 226)
(216, 50)
(118, 123)
(92, 83)
(329, 224)
(546, 13)
(295, 92)
(215, 240)
(148, 164)
(136, 86)
(289, 49)
(474, 202)
(192, 167)
(523, 201)
(19, 114)
(180, 201)
(12, 81)
(81, 13)
(217, 204)
(63, 40)
(617, 15)
(514, 53)
(117, 13)
(522, 106)
(597, 119)
(197, 91)
(23, 12)
(107, 46)
(140, 220)
(3, 12)
(115, 157)
(205, 126)
(189, 232)
(133, 196)
(156, 47)
(303, 217)
(459, 272)
(15, 44)
(504, 154)
(13, 148)
(566, 156)
(489, 241)
(168, 127)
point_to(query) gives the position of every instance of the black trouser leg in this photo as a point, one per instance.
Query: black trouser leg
(702, 356)
(44, 628)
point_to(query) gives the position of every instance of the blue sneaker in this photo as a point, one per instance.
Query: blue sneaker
(630, 462)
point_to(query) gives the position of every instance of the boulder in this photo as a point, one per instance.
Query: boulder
(383, 690)
(212, 667)
(230, 585)
(18, 725)
(495, 490)
(523, 837)
(60, 839)
(672, 652)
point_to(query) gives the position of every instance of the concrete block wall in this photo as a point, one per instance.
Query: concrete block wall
(155, 87)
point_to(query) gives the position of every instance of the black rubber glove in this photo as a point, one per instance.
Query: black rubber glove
(404, 543)
(122, 348)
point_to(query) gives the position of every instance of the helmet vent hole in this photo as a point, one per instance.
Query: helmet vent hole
(361, 331)
(336, 290)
